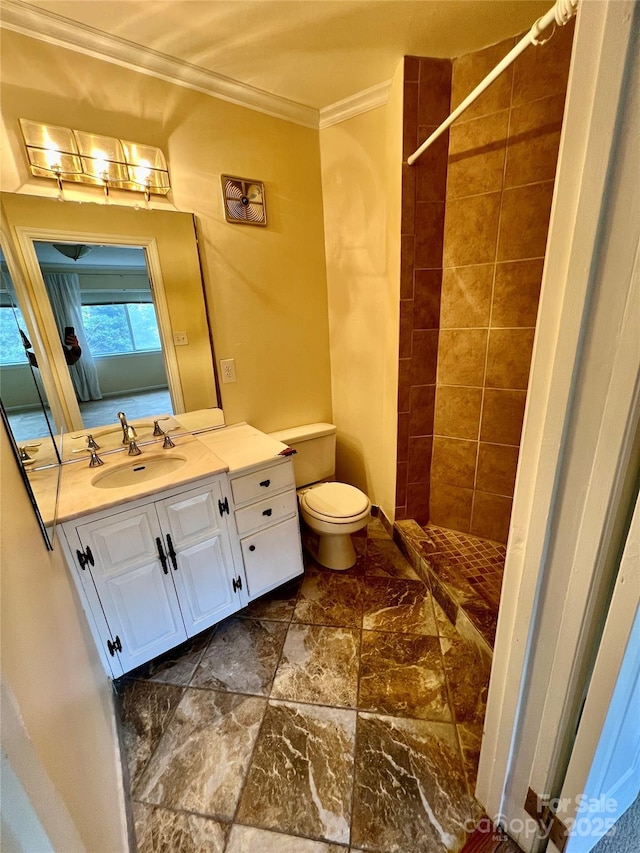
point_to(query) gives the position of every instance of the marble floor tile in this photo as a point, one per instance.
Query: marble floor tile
(161, 830)
(145, 712)
(377, 530)
(320, 665)
(201, 761)
(301, 774)
(402, 674)
(277, 605)
(445, 626)
(248, 839)
(177, 665)
(329, 599)
(467, 670)
(471, 740)
(409, 792)
(242, 656)
(397, 605)
(385, 559)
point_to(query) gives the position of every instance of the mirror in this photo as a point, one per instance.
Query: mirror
(157, 245)
(25, 412)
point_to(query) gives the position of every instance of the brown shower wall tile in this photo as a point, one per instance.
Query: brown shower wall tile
(426, 304)
(471, 230)
(509, 358)
(424, 356)
(477, 151)
(497, 465)
(540, 73)
(534, 139)
(502, 416)
(470, 69)
(454, 462)
(422, 409)
(407, 244)
(451, 507)
(420, 453)
(431, 167)
(462, 357)
(499, 188)
(434, 96)
(410, 109)
(516, 294)
(427, 95)
(457, 412)
(466, 297)
(524, 222)
(491, 516)
(429, 231)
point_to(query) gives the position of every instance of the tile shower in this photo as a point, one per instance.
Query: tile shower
(474, 226)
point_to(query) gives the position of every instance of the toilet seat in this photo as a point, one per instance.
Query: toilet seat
(335, 502)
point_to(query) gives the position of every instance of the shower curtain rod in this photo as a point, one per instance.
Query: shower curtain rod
(559, 14)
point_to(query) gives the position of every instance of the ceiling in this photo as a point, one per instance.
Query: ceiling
(311, 52)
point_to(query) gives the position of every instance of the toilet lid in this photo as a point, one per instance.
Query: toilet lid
(336, 500)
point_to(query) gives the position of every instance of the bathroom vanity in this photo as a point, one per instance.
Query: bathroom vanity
(166, 544)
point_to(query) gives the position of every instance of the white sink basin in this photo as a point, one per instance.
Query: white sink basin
(138, 470)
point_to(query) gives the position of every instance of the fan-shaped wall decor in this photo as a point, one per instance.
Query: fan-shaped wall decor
(243, 201)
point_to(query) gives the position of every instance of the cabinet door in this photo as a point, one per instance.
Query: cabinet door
(272, 557)
(202, 568)
(138, 598)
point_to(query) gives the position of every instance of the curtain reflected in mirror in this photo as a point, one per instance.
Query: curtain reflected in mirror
(102, 303)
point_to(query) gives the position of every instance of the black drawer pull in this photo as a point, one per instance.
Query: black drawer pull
(267, 511)
(266, 483)
(252, 547)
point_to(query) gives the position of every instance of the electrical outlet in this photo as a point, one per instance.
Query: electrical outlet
(180, 339)
(228, 369)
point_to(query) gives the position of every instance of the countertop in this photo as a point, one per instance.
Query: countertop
(227, 449)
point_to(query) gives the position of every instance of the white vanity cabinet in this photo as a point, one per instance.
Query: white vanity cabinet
(266, 520)
(156, 573)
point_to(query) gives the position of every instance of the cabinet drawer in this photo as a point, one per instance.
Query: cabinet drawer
(260, 484)
(266, 512)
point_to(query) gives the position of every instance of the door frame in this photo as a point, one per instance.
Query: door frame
(540, 558)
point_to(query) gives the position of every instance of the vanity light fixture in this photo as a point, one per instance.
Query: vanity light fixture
(88, 158)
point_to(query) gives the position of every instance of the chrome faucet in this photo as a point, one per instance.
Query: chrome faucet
(125, 428)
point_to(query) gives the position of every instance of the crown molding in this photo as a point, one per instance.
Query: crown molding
(354, 105)
(54, 29)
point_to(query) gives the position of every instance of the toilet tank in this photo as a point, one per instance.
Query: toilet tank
(315, 446)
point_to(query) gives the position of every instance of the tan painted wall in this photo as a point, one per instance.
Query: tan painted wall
(266, 287)
(361, 169)
(50, 665)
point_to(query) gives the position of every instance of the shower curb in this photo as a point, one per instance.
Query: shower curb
(409, 536)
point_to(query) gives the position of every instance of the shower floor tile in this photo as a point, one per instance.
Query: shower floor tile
(341, 712)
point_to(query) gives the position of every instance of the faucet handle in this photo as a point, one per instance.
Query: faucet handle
(94, 461)
(134, 450)
(157, 429)
(92, 444)
(167, 443)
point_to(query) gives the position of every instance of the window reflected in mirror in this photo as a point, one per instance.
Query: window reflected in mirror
(102, 303)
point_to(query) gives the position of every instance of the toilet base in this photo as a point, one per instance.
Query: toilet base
(336, 552)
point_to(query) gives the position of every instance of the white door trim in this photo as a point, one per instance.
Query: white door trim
(596, 80)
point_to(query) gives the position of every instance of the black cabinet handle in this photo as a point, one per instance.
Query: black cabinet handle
(171, 553)
(163, 559)
(267, 511)
(252, 547)
(265, 483)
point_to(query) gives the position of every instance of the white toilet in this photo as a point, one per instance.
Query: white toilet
(333, 511)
